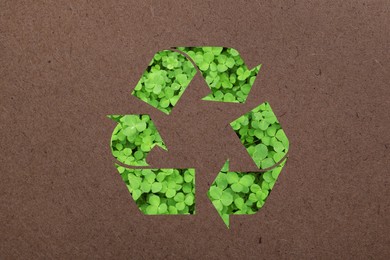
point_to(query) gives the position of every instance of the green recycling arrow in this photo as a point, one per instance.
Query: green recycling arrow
(245, 192)
(241, 193)
(171, 191)
(133, 138)
(260, 132)
(170, 72)
(164, 81)
(225, 72)
(155, 191)
(161, 191)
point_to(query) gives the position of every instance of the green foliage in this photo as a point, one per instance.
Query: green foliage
(161, 191)
(133, 138)
(241, 192)
(164, 81)
(261, 134)
(225, 72)
(172, 191)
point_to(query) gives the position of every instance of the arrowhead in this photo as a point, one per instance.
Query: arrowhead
(133, 138)
(262, 135)
(165, 79)
(167, 191)
(224, 71)
(241, 193)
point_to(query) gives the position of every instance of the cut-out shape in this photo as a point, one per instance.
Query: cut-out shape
(172, 191)
(241, 193)
(165, 79)
(133, 138)
(225, 72)
(161, 191)
(260, 132)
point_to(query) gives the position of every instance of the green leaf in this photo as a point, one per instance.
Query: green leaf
(236, 187)
(259, 133)
(222, 67)
(215, 192)
(267, 163)
(162, 208)
(138, 155)
(152, 210)
(154, 200)
(182, 79)
(145, 187)
(121, 169)
(156, 187)
(179, 197)
(230, 62)
(187, 188)
(164, 103)
(189, 200)
(229, 97)
(217, 50)
(136, 194)
(170, 193)
(208, 57)
(119, 146)
(218, 205)
(246, 180)
(276, 171)
(233, 52)
(221, 181)
(239, 202)
(271, 131)
(278, 156)
(252, 197)
(232, 177)
(226, 198)
(150, 177)
(268, 177)
(255, 188)
(260, 152)
(281, 136)
(263, 125)
(160, 176)
(172, 210)
(278, 146)
(180, 205)
(157, 89)
(134, 181)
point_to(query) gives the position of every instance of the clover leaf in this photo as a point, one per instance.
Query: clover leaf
(224, 72)
(133, 138)
(262, 136)
(161, 191)
(243, 192)
(164, 81)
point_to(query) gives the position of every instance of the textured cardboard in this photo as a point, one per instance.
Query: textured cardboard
(65, 65)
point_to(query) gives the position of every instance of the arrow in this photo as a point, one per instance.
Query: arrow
(133, 138)
(165, 79)
(241, 193)
(161, 191)
(262, 135)
(224, 71)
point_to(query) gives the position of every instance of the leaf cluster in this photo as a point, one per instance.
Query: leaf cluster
(241, 192)
(261, 134)
(133, 138)
(224, 71)
(164, 81)
(161, 191)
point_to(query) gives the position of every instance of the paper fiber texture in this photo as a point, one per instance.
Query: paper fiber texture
(65, 65)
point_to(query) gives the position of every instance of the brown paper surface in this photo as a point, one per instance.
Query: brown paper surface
(65, 65)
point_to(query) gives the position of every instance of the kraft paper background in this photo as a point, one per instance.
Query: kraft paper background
(65, 65)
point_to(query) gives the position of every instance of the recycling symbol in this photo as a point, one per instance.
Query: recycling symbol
(162, 191)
